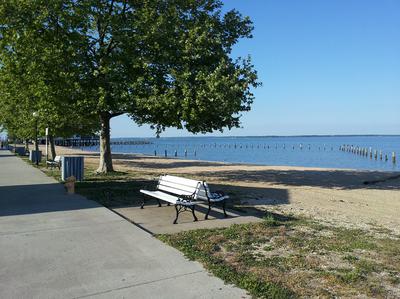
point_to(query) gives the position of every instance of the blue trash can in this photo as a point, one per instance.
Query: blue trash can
(20, 150)
(72, 166)
(33, 156)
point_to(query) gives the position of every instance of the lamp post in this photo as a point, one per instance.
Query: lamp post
(35, 116)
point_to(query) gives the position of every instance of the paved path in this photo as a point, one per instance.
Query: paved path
(54, 245)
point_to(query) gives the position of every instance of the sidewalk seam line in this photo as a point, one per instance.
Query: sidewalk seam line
(138, 284)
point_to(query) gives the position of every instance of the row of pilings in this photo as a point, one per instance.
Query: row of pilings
(253, 146)
(176, 153)
(96, 142)
(164, 151)
(368, 152)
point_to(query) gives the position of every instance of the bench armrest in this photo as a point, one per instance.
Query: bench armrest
(185, 199)
(217, 194)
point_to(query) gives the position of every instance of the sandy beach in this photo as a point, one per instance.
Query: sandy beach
(352, 198)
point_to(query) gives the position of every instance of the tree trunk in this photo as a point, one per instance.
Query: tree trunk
(36, 145)
(105, 163)
(36, 140)
(27, 145)
(52, 147)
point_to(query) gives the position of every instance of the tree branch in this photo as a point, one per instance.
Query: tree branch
(114, 114)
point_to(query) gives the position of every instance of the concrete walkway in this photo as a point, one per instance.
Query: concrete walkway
(54, 245)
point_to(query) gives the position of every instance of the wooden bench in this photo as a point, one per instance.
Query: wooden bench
(184, 194)
(54, 163)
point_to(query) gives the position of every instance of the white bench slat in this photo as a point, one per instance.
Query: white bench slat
(178, 185)
(163, 183)
(166, 197)
(174, 190)
(179, 180)
(185, 184)
(161, 195)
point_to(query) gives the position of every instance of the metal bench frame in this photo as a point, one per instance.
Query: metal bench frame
(54, 163)
(185, 202)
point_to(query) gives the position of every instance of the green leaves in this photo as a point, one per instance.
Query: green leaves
(38, 71)
(165, 63)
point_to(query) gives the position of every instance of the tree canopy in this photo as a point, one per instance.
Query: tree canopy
(166, 63)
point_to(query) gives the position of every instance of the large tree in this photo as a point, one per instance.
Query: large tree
(163, 62)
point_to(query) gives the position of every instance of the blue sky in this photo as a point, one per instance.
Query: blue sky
(327, 67)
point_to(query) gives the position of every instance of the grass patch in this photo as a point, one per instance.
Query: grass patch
(286, 257)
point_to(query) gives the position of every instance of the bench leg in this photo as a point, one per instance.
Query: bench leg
(208, 212)
(177, 213)
(223, 207)
(179, 209)
(142, 205)
(209, 209)
(194, 215)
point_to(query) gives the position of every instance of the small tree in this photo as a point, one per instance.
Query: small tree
(164, 63)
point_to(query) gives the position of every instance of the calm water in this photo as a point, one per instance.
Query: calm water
(293, 151)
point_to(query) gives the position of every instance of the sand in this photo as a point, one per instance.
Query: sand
(337, 196)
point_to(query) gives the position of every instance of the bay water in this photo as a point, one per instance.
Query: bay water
(307, 151)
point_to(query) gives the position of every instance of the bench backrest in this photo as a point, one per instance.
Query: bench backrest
(183, 186)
